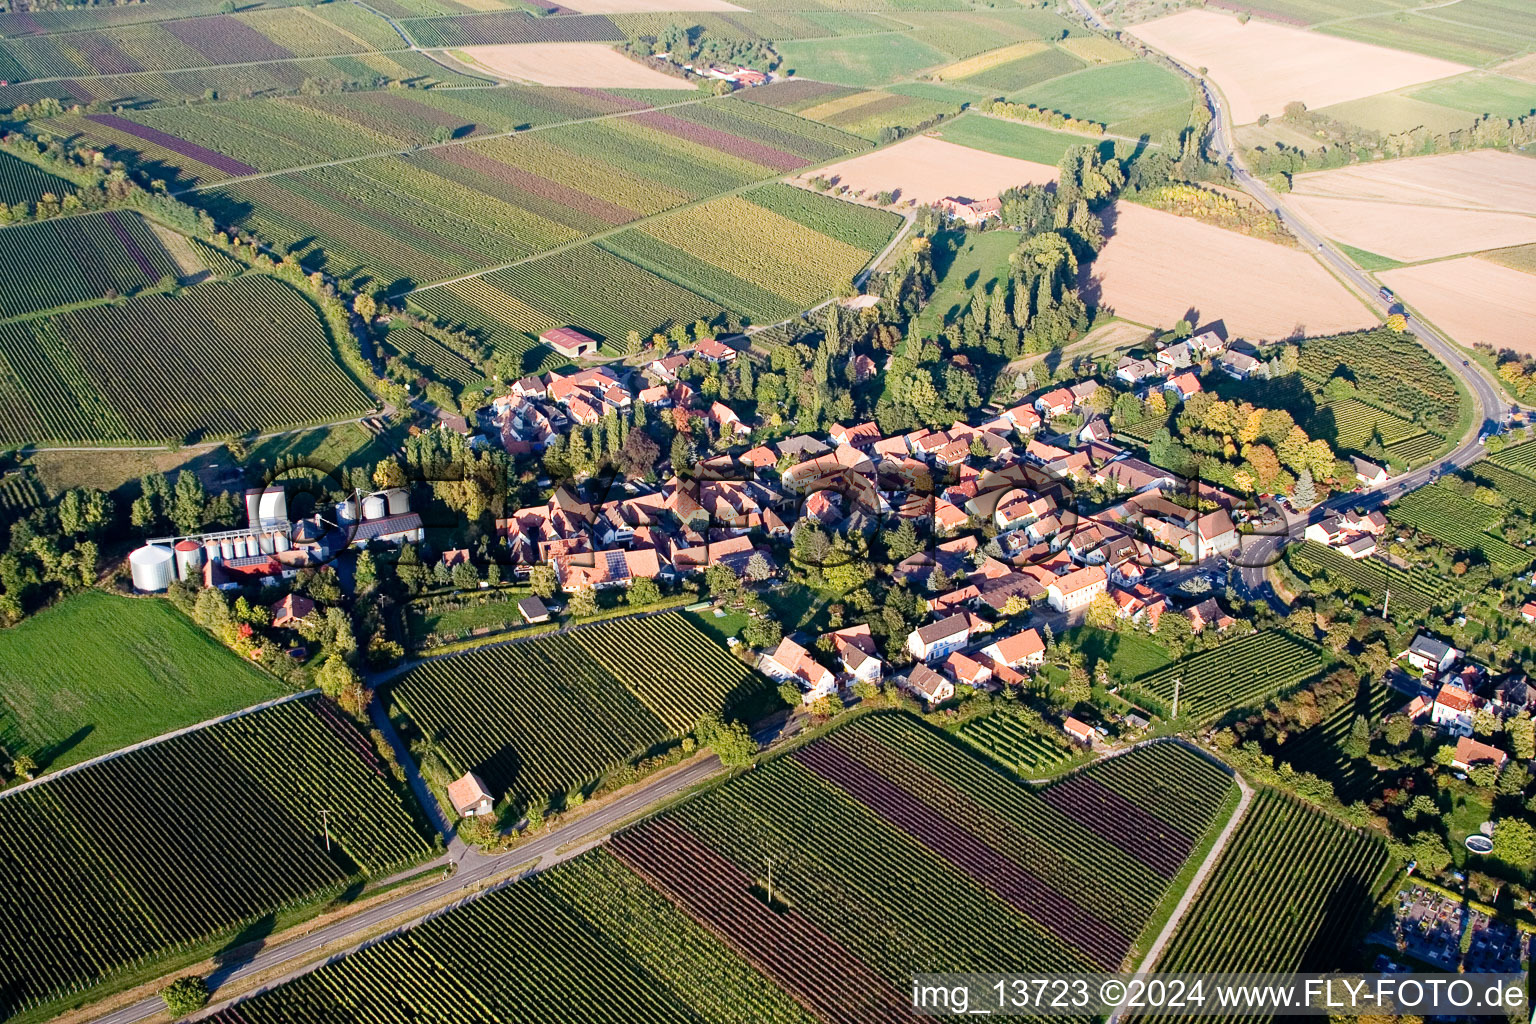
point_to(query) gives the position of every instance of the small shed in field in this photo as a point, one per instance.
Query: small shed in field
(532, 610)
(469, 796)
(569, 341)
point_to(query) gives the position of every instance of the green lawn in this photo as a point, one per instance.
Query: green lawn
(1132, 97)
(865, 61)
(99, 672)
(1130, 654)
(1013, 138)
(326, 449)
(981, 259)
(1368, 260)
(1482, 93)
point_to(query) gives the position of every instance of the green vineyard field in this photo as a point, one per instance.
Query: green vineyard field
(1319, 749)
(1015, 743)
(23, 182)
(1414, 591)
(1289, 894)
(557, 712)
(1240, 671)
(1459, 522)
(157, 851)
(672, 919)
(220, 358)
(78, 259)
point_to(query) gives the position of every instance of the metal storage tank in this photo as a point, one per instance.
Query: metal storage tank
(267, 544)
(189, 558)
(252, 505)
(346, 511)
(240, 550)
(374, 507)
(226, 549)
(252, 546)
(280, 542)
(399, 501)
(211, 551)
(152, 566)
(274, 504)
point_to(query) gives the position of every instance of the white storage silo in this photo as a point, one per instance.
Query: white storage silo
(375, 507)
(280, 542)
(399, 501)
(266, 543)
(252, 546)
(189, 559)
(152, 567)
(240, 547)
(226, 549)
(253, 505)
(211, 552)
(346, 511)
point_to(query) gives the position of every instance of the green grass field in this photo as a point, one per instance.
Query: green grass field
(1020, 74)
(99, 672)
(1132, 97)
(1482, 93)
(1130, 655)
(981, 259)
(1014, 138)
(864, 61)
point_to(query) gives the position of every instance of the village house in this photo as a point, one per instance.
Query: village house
(1055, 403)
(713, 350)
(1453, 710)
(938, 639)
(1431, 656)
(1184, 385)
(1208, 613)
(1175, 356)
(789, 662)
(856, 649)
(963, 669)
(1239, 365)
(1215, 534)
(1020, 649)
(1470, 752)
(1077, 588)
(291, 610)
(861, 435)
(931, 686)
(533, 610)
(1134, 371)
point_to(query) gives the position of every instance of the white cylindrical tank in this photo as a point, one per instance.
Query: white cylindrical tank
(280, 542)
(211, 551)
(152, 566)
(252, 505)
(346, 511)
(375, 507)
(189, 558)
(240, 549)
(399, 501)
(274, 504)
(226, 549)
(252, 546)
(267, 544)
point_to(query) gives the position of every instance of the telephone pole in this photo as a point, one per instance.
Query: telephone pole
(1386, 601)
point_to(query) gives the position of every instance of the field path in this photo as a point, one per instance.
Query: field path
(1195, 884)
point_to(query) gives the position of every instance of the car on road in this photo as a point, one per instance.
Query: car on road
(1386, 295)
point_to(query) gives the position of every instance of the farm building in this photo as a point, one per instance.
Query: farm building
(469, 796)
(570, 342)
(1078, 732)
(1076, 589)
(970, 211)
(532, 610)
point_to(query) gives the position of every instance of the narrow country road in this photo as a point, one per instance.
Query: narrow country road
(474, 869)
(1262, 550)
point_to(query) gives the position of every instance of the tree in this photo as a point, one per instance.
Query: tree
(758, 567)
(541, 579)
(902, 543)
(24, 767)
(1397, 322)
(1430, 853)
(1514, 841)
(1304, 494)
(211, 610)
(730, 741)
(189, 502)
(185, 995)
(365, 306)
(789, 693)
(367, 572)
(762, 633)
(583, 602)
(1102, 611)
(722, 580)
(644, 592)
(335, 676)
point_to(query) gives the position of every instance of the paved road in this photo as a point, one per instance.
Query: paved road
(474, 869)
(1261, 551)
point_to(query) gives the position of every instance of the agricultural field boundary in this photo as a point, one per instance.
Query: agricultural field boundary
(264, 705)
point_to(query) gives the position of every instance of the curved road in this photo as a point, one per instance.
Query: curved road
(1262, 550)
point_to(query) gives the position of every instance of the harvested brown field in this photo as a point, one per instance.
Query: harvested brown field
(1409, 233)
(1158, 268)
(1474, 300)
(1262, 66)
(928, 169)
(1483, 179)
(573, 65)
